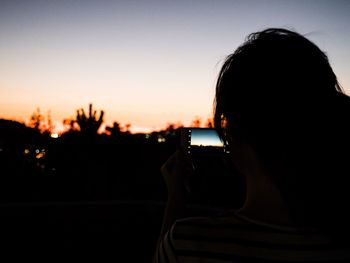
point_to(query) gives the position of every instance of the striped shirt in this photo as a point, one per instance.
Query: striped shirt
(239, 239)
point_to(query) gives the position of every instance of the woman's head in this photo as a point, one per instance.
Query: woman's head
(278, 93)
(272, 71)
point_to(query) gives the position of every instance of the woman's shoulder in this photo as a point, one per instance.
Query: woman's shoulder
(233, 219)
(234, 228)
(233, 222)
(235, 237)
(222, 220)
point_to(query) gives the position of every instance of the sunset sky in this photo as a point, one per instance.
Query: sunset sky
(146, 63)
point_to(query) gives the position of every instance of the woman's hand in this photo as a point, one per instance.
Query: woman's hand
(177, 172)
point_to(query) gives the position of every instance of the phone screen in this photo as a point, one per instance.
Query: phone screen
(205, 138)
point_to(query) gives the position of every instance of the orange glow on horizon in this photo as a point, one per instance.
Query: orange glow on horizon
(139, 121)
(60, 127)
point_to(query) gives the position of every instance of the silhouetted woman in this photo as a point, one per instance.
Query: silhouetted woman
(280, 106)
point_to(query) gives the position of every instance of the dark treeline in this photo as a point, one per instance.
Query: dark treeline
(82, 190)
(85, 190)
(80, 165)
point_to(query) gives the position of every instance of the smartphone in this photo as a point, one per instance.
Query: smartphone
(202, 141)
(214, 181)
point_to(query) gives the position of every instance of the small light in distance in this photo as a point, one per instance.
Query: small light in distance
(40, 155)
(161, 139)
(54, 135)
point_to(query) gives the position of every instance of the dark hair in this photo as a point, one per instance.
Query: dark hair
(278, 93)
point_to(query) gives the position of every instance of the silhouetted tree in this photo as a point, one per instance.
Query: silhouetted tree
(89, 124)
(36, 120)
(170, 128)
(209, 123)
(127, 128)
(50, 125)
(196, 123)
(16, 133)
(115, 130)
